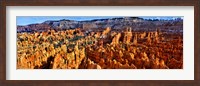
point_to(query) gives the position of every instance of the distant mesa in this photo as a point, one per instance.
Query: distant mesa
(115, 23)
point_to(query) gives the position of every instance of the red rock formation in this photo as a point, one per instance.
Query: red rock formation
(72, 49)
(116, 38)
(106, 31)
(149, 38)
(135, 39)
(174, 64)
(127, 36)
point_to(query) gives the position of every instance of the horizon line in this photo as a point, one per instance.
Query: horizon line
(22, 20)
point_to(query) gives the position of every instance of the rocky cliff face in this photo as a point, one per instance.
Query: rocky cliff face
(33, 28)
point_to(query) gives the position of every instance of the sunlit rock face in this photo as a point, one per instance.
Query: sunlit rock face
(105, 32)
(127, 35)
(135, 39)
(116, 38)
(149, 38)
(102, 48)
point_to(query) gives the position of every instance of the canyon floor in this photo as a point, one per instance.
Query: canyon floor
(101, 49)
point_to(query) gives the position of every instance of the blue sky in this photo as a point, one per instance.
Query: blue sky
(25, 20)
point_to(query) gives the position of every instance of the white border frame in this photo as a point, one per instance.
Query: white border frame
(187, 73)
